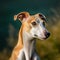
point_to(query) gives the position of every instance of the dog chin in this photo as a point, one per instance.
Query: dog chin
(42, 38)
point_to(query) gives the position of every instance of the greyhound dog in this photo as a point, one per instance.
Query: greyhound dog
(33, 28)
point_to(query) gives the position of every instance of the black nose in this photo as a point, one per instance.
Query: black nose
(47, 34)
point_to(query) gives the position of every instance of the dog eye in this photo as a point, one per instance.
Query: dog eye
(44, 23)
(34, 23)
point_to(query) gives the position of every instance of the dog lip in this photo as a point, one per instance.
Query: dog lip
(44, 38)
(35, 35)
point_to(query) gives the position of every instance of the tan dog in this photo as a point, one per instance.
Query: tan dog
(33, 27)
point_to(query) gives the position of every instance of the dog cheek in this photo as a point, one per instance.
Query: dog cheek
(29, 29)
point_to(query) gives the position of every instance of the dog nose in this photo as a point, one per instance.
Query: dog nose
(47, 34)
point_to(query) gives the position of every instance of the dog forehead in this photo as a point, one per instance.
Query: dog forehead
(31, 19)
(34, 18)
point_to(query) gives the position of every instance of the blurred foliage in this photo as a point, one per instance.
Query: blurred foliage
(48, 49)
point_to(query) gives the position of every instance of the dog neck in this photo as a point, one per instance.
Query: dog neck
(28, 43)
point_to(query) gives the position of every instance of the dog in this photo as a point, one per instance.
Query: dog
(33, 28)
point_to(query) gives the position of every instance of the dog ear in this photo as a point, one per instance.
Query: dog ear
(21, 16)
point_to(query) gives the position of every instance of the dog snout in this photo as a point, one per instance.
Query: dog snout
(47, 34)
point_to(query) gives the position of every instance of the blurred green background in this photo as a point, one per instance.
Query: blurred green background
(48, 49)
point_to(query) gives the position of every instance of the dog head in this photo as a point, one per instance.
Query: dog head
(33, 25)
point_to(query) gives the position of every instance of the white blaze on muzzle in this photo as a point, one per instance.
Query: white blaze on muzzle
(39, 31)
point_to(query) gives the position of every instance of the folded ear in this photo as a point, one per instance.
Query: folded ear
(21, 16)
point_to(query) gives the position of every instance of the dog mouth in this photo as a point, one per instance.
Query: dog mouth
(42, 38)
(46, 35)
